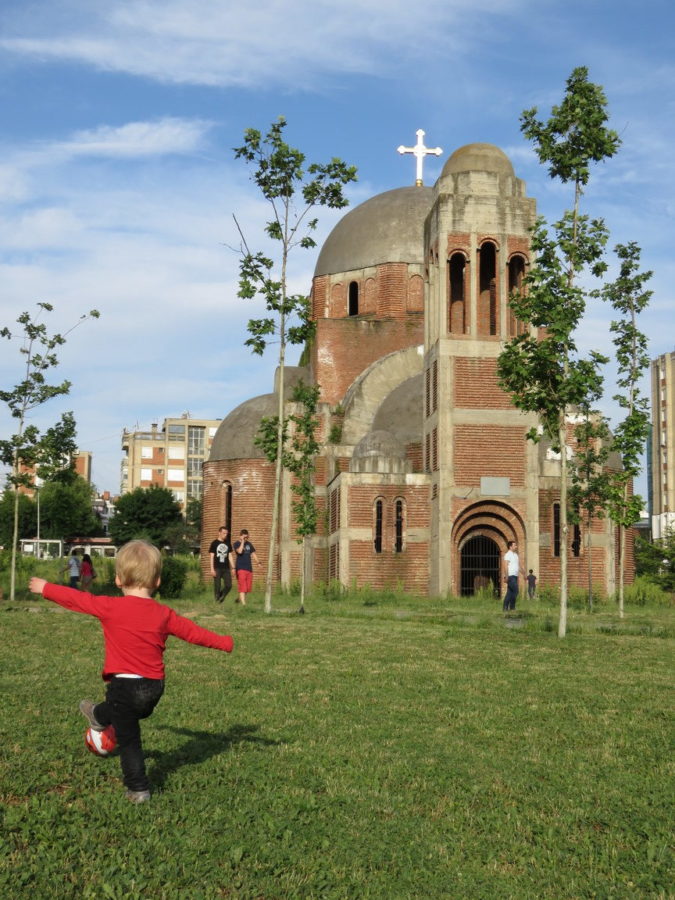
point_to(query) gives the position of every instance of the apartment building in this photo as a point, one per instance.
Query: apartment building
(170, 456)
(662, 481)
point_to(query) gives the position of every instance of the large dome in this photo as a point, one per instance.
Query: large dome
(478, 158)
(236, 433)
(387, 228)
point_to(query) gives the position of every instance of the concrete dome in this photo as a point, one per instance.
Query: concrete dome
(378, 451)
(236, 433)
(387, 228)
(401, 413)
(478, 158)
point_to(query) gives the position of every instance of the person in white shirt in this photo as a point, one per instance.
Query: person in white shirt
(511, 571)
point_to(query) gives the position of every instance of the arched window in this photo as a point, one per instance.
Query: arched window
(456, 293)
(556, 529)
(487, 290)
(353, 308)
(399, 524)
(576, 541)
(516, 272)
(227, 504)
(379, 516)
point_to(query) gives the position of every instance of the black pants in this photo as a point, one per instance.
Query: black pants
(127, 701)
(511, 592)
(222, 584)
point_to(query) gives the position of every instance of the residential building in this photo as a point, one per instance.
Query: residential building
(170, 457)
(662, 481)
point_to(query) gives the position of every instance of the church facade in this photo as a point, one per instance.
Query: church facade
(425, 473)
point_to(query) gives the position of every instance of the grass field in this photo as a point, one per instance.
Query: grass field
(373, 748)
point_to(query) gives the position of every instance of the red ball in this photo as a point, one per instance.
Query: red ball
(102, 743)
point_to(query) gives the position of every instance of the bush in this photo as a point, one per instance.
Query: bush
(174, 575)
(643, 592)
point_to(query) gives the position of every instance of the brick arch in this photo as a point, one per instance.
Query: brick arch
(496, 520)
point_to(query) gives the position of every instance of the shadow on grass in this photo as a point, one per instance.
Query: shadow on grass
(200, 746)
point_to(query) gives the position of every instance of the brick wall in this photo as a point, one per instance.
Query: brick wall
(252, 490)
(343, 348)
(495, 450)
(476, 387)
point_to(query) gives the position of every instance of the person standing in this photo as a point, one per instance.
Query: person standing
(221, 572)
(73, 569)
(244, 556)
(511, 572)
(531, 585)
(87, 573)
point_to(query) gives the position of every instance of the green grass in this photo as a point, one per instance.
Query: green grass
(377, 747)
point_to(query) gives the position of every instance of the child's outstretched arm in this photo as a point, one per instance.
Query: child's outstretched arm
(36, 585)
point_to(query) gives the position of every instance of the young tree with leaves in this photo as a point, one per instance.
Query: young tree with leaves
(24, 449)
(543, 371)
(628, 298)
(589, 487)
(292, 190)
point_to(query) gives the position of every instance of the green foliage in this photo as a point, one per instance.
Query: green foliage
(299, 457)
(656, 561)
(148, 513)
(292, 189)
(645, 592)
(27, 517)
(174, 575)
(66, 510)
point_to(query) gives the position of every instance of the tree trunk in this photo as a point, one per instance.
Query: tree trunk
(562, 621)
(589, 554)
(622, 554)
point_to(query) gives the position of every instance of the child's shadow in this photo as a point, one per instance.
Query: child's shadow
(202, 745)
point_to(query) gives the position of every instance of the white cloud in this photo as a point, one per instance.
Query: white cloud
(209, 42)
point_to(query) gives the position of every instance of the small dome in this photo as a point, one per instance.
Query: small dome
(478, 158)
(387, 228)
(378, 451)
(236, 433)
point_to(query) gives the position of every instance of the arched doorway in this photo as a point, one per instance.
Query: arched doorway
(479, 565)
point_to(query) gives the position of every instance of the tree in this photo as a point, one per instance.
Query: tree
(293, 190)
(299, 456)
(22, 451)
(26, 518)
(66, 509)
(147, 513)
(544, 372)
(589, 489)
(629, 298)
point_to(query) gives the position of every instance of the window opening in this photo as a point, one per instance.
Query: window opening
(556, 529)
(379, 509)
(457, 310)
(487, 302)
(398, 544)
(353, 298)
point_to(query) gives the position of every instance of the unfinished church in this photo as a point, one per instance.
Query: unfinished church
(424, 473)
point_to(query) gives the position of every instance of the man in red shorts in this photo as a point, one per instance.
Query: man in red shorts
(244, 554)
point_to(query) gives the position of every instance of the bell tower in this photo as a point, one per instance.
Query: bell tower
(483, 472)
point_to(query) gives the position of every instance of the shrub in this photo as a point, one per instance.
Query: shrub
(174, 575)
(643, 592)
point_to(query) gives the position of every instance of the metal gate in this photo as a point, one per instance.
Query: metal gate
(479, 567)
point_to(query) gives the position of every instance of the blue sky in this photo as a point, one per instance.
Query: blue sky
(118, 182)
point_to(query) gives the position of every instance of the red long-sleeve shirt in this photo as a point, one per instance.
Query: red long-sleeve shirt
(135, 629)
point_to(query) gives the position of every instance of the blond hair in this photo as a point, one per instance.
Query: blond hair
(138, 565)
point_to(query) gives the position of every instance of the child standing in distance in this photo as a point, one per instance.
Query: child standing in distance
(135, 629)
(531, 584)
(244, 555)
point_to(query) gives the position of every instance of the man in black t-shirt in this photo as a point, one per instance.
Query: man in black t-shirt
(219, 554)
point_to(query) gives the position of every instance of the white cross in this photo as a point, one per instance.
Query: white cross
(420, 151)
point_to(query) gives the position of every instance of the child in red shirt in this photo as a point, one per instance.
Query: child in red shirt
(135, 629)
